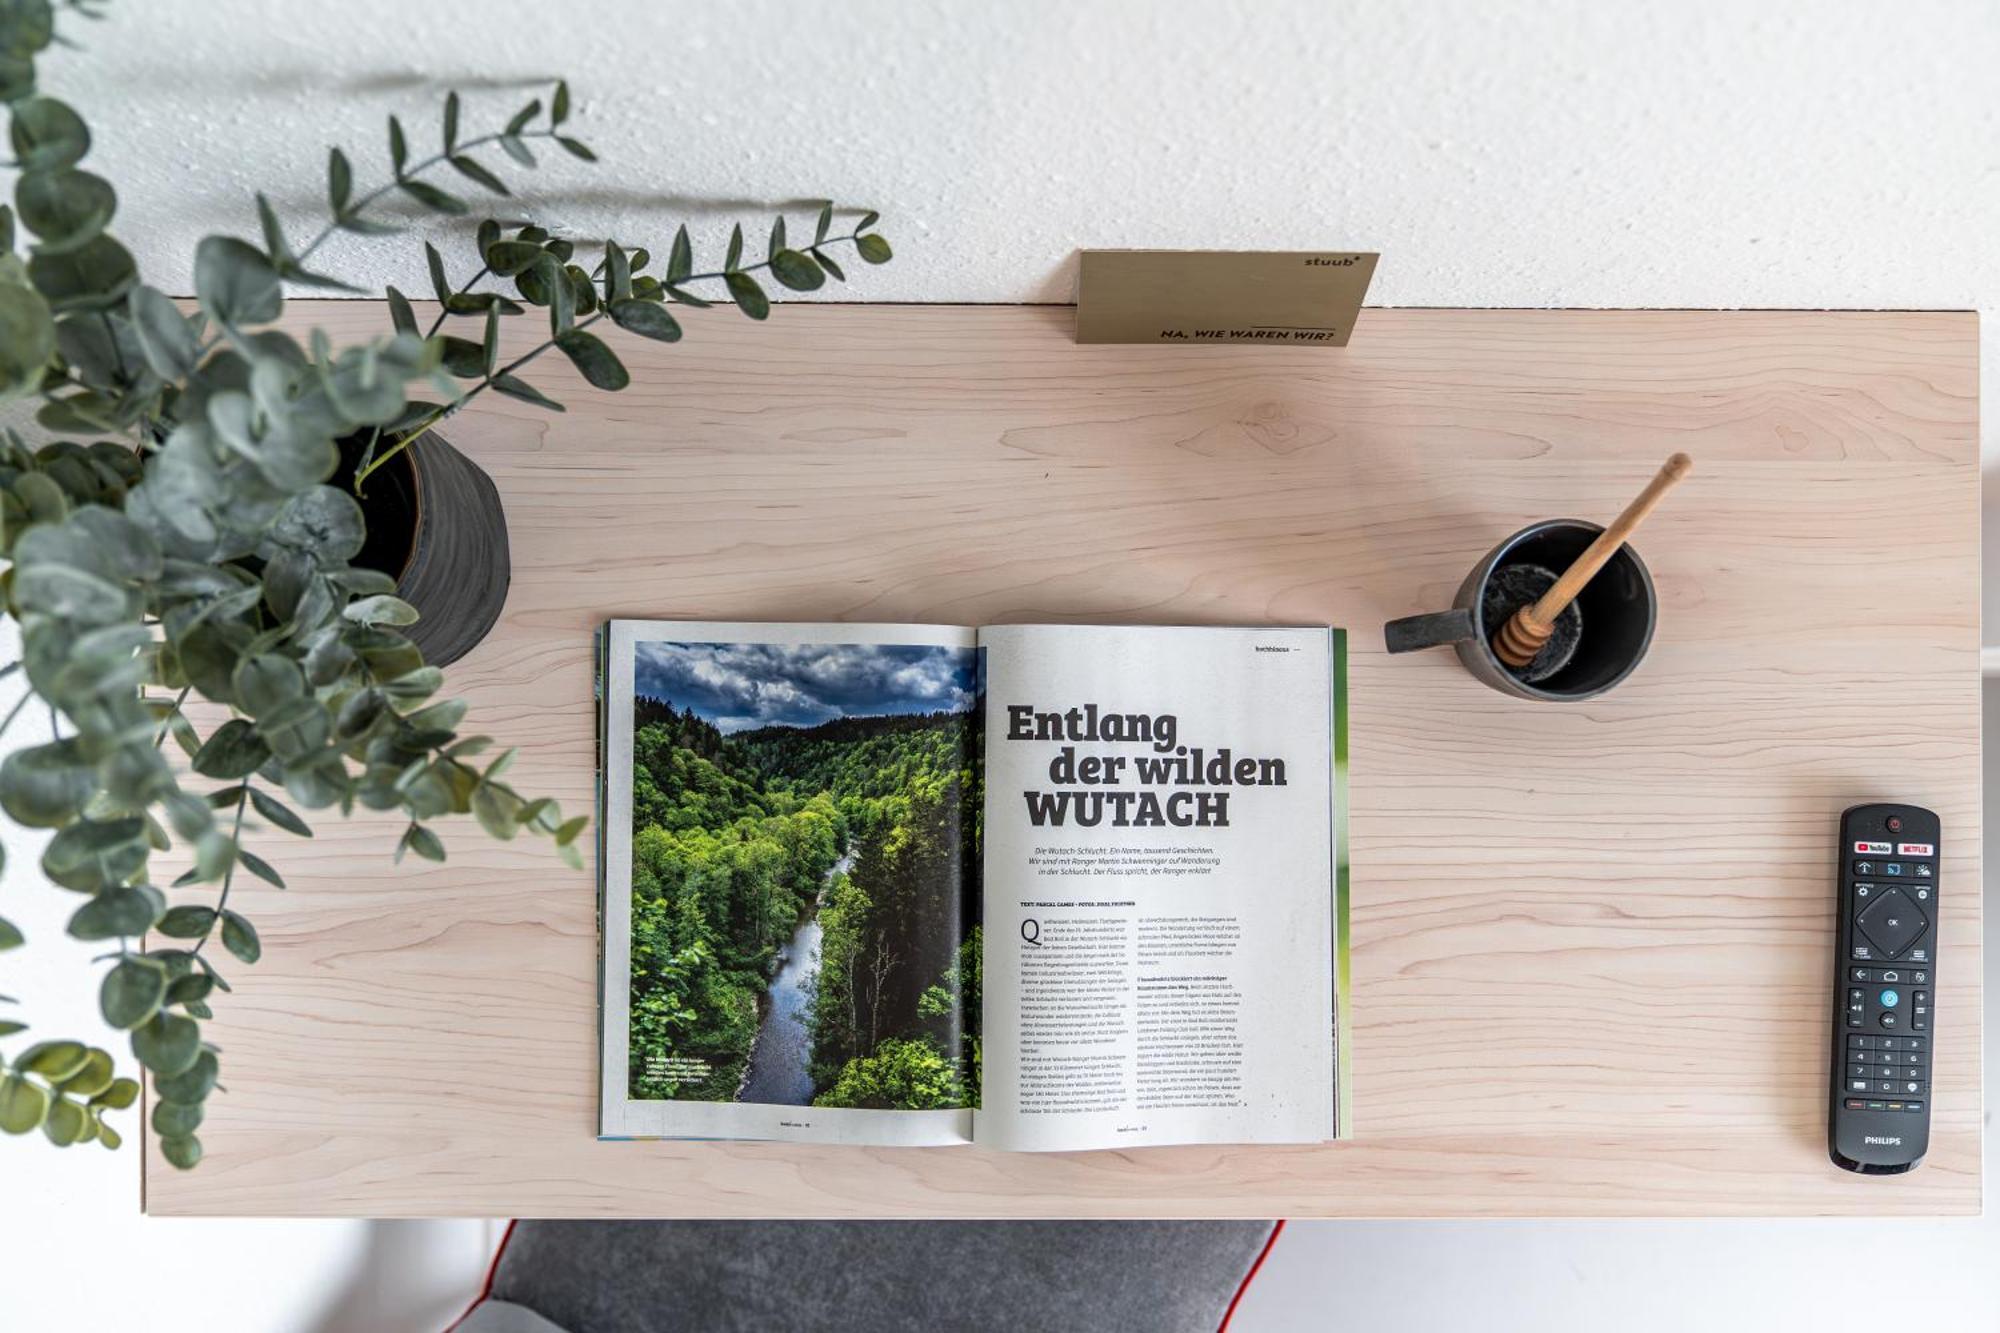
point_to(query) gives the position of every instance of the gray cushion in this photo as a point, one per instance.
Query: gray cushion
(491, 1316)
(625, 1277)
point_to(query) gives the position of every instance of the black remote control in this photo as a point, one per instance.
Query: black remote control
(1885, 975)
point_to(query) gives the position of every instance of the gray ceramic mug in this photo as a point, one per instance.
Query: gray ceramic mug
(1597, 642)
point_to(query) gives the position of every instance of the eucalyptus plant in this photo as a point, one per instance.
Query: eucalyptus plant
(178, 556)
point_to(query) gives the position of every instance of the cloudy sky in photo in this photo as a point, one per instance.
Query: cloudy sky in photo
(740, 686)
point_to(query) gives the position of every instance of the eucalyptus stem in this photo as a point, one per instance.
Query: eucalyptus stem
(424, 427)
(367, 464)
(372, 462)
(375, 196)
(167, 722)
(229, 875)
(15, 711)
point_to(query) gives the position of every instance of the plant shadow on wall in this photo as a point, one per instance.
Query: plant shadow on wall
(173, 539)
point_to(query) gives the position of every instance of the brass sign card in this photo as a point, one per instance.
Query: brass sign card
(1296, 298)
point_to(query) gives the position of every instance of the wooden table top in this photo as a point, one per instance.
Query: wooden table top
(1591, 943)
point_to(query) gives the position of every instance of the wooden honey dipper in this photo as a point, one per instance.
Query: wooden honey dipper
(1528, 629)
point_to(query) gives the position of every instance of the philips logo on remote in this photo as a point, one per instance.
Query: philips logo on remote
(1887, 1141)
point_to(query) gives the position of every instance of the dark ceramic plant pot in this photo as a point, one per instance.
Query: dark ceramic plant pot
(436, 525)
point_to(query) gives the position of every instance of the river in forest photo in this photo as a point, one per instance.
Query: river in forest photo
(781, 1058)
(805, 874)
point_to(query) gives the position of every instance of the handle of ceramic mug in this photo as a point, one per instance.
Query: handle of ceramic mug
(1429, 631)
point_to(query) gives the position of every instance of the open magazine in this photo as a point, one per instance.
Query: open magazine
(1036, 887)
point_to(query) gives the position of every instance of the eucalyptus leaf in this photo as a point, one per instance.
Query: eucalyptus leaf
(119, 1095)
(648, 319)
(240, 938)
(46, 786)
(91, 854)
(263, 683)
(796, 271)
(94, 1078)
(680, 261)
(168, 344)
(296, 728)
(132, 992)
(181, 1151)
(235, 282)
(279, 814)
(596, 361)
(167, 1043)
(126, 910)
(400, 313)
(46, 134)
(64, 207)
(176, 1119)
(233, 750)
(54, 1060)
(749, 297)
(27, 340)
(513, 386)
(94, 275)
(435, 262)
(23, 1105)
(192, 1086)
(507, 258)
(186, 922)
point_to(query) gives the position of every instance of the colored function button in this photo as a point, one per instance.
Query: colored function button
(1873, 848)
(1915, 849)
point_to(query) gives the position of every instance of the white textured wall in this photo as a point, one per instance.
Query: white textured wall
(1503, 152)
(1499, 152)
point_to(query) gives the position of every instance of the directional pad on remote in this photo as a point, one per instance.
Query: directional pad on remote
(1892, 922)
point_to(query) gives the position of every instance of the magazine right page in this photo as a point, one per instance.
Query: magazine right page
(1159, 875)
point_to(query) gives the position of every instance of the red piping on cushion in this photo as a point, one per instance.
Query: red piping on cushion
(1244, 1285)
(486, 1287)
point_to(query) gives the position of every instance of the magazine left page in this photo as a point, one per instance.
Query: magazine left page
(790, 881)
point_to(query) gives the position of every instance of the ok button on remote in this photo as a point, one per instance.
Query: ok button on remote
(1889, 999)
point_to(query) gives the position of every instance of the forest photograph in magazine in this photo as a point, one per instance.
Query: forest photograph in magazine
(805, 874)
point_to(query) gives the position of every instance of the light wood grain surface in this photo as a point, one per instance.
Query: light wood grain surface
(1592, 944)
